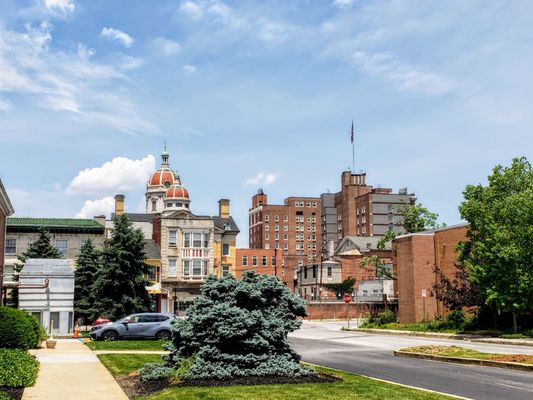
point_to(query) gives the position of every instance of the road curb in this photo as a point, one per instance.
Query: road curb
(452, 336)
(471, 361)
(392, 382)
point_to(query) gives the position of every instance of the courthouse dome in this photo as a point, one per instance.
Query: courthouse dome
(177, 192)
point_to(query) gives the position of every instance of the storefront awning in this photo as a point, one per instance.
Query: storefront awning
(154, 289)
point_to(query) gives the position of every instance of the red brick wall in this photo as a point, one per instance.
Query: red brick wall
(338, 310)
(260, 269)
(415, 257)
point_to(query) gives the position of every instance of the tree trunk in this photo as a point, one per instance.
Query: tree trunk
(515, 325)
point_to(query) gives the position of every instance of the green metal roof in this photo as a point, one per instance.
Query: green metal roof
(53, 223)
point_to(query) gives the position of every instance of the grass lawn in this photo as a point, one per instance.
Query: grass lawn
(461, 352)
(353, 387)
(127, 345)
(123, 364)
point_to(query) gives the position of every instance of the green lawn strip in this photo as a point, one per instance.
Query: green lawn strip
(352, 387)
(127, 345)
(461, 352)
(123, 364)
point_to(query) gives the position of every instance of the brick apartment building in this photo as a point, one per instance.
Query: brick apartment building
(415, 257)
(6, 209)
(262, 262)
(292, 228)
(360, 210)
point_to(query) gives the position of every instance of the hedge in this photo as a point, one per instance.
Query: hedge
(17, 368)
(17, 330)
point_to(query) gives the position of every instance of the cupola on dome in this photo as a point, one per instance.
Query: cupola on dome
(177, 192)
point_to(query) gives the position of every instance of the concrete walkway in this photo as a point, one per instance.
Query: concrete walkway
(72, 371)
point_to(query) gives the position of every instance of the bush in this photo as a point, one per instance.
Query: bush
(379, 319)
(456, 318)
(155, 372)
(37, 328)
(17, 331)
(4, 396)
(238, 328)
(17, 368)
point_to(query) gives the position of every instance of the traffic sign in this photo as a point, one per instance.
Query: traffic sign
(424, 293)
(347, 298)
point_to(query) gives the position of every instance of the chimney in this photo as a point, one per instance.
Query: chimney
(119, 204)
(100, 219)
(223, 208)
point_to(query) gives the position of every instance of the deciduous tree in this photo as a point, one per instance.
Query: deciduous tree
(499, 253)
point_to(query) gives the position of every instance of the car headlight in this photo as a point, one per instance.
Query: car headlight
(97, 327)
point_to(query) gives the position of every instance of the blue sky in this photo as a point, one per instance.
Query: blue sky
(258, 94)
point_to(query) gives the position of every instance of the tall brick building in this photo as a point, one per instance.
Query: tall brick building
(415, 257)
(292, 228)
(360, 210)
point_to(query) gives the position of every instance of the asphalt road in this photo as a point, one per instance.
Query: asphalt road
(371, 355)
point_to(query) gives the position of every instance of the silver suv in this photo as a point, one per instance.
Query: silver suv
(145, 325)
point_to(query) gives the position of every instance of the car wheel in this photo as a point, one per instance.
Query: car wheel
(163, 335)
(109, 336)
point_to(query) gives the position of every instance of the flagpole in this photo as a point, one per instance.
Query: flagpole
(353, 150)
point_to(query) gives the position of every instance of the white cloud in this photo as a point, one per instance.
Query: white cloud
(343, 3)
(5, 105)
(192, 9)
(62, 5)
(67, 81)
(262, 179)
(118, 175)
(167, 47)
(403, 76)
(189, 69)
(118, 35)
(273, 32)
(93, 208)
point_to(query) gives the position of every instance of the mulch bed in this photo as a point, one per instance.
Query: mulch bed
(14, 393)
(134, 387)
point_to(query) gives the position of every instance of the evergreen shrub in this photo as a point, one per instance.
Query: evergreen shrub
(17, 368)
(17, 330)
(155, 372)
(238, 328)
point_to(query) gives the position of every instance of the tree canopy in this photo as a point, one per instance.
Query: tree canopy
(499, 253)
(120, 286)
(417, 218)
(87, 264)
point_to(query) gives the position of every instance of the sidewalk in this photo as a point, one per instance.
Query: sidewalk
(72, 371)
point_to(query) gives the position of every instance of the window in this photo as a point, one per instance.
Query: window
(365, 292)
(196, 240)
(305, 272)
(308, 204)
(225, 270)
(314, 203)
(273, 260)
(276, 218)
(267, 246)
(154, 205)
(172, 270)
(11, 246)
(254, 261)
(206, 241)
(244, 261)
(276, 227)
(206, 267)
(196, 267)
(264, 261)
(267, 227)
(225, 249)
(276, 245)
(276, 236)
(314, 271)
(62, 246)
(330, 271)
(285, 218)
(187, 240)
(172, 238)
(285, 228)
(267, 218)
(267, 236)
(285, 237)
